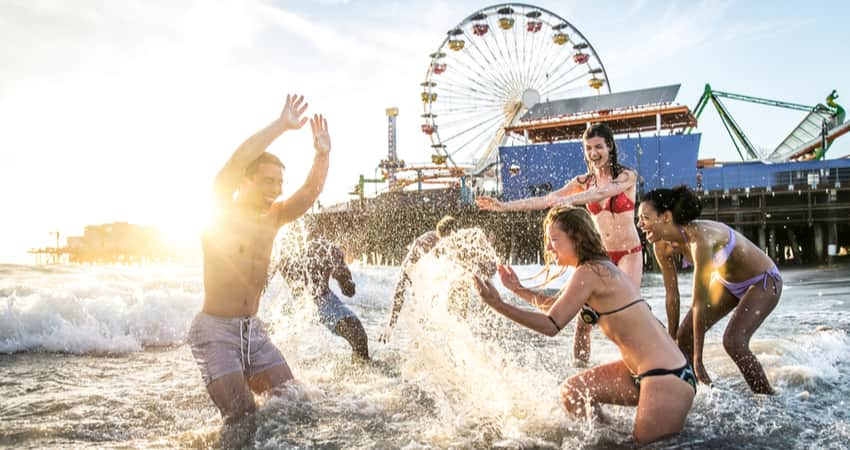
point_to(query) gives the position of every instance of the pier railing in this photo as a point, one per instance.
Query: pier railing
(800, 224)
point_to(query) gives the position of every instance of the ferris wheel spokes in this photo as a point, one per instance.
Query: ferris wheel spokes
(479, 88)
(495, 85)
(552, 59)
(497, 76)
(473, 127)
(493, 66)
(547, 86)
(487, 156)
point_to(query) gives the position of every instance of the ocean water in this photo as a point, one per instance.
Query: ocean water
(95, 357)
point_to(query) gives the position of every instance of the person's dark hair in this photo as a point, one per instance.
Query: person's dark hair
(264, 158)
(446, 226)
(602, 130)
(681, 201)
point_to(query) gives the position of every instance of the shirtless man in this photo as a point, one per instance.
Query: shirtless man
(419, 248)
(228, 341)
(310, 270)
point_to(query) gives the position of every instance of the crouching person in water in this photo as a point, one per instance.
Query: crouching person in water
(731, 275)
(652, 375)
(419, 248)
(309, 271)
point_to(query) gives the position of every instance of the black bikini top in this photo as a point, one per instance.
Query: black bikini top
(591, 317)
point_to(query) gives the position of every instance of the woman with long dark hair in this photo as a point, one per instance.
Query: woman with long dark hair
(731, 275)
(652, 374)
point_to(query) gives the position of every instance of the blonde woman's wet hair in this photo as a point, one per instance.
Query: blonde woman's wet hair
(578, 226)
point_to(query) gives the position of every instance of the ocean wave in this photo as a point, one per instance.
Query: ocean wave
(805, 360)
(63, 322)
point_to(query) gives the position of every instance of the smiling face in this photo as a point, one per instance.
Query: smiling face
(262, 188)
(654, 225)
(561, 246)
(597, 152)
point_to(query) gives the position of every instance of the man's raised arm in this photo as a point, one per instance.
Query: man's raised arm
(228, 177)
(295, 206)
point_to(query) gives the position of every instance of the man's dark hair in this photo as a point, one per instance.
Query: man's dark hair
(446, 226)
(264, 158)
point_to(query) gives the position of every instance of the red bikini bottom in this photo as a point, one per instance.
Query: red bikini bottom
(617, 255)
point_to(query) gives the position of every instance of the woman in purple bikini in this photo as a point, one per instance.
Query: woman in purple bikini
(730, 273)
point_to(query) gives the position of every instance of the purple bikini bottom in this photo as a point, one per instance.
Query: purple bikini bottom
(739, 289)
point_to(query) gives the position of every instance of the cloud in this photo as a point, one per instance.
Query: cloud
(122, 110)
(323, 36)
(657, 38)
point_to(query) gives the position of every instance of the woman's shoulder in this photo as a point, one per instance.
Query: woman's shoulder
(627, 174)
(709, 230)
(602, 278)
(598, 270)
(582, 179)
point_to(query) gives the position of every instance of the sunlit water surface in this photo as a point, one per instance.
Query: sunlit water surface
(96, 357)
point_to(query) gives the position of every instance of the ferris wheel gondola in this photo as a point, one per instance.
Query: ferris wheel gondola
(491, 68)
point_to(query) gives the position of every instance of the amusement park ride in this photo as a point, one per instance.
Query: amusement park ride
(809, 140)
(517, 74)
(489, 70)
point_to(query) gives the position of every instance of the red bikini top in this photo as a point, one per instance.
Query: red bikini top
(621, 203)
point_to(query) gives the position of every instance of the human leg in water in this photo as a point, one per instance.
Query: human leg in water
(352, 330)
(753, 308)
(722, 303)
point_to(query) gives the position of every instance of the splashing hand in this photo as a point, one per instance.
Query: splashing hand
(487, 291)
(385, 335)
(489, 204)
(348, 288)
(290, 117)
(509, 278)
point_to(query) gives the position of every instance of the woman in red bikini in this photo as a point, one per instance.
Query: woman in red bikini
(608, 191)
(730, 273)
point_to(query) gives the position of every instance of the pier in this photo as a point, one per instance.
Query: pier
(112, 243)
(795, 225)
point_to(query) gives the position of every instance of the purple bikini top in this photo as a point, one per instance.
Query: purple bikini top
(721, 256)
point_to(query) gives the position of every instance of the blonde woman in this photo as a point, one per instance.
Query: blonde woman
(608, 192)
(652, 374)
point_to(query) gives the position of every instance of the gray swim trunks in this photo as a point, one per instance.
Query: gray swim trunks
(332, 310)
(223, 345)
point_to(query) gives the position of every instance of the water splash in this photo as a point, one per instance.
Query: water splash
(442, 382)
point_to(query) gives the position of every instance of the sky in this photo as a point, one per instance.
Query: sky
(125, 110)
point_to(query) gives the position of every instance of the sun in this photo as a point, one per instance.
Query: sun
(184, 227)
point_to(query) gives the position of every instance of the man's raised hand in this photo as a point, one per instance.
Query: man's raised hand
(290, 117)
(321, 138)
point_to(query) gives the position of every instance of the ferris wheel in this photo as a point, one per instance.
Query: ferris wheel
(491, 68)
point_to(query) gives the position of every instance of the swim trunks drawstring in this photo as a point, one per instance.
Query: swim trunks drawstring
(246, 321)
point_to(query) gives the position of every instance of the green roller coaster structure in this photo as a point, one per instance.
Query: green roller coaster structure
(746, 150)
